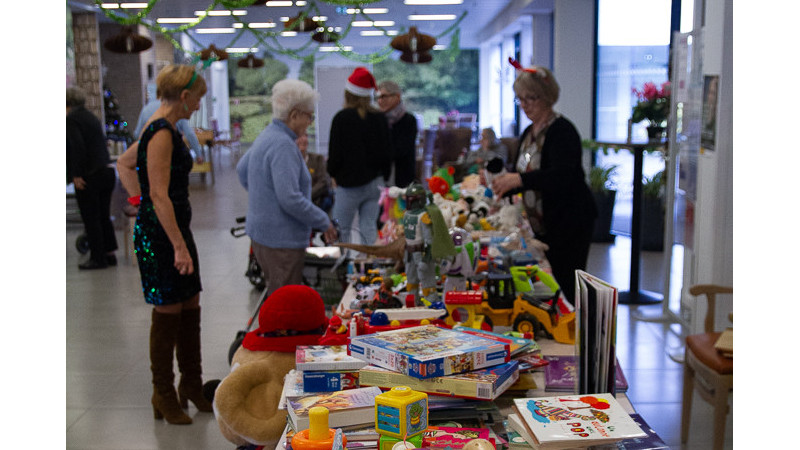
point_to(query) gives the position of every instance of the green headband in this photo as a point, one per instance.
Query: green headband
(191, 82)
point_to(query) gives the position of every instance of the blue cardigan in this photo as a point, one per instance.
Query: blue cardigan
(280, 213)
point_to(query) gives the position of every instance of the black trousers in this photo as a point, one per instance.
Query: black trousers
(94, 203)
(568, 254)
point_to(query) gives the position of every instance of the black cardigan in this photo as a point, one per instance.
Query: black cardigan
(567, 203)
(359, 150)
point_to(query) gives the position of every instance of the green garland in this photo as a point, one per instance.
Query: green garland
(269, 39)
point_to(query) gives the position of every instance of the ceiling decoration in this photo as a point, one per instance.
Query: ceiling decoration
(127, 41)
(250, 62)
(307, 20)
(415, 46)
(213, 52)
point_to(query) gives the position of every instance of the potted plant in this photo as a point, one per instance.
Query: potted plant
(653, 191)
(601, 184)
(652, 105)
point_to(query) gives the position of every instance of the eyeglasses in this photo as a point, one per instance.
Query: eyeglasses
(526, 99)
(382, 96)
(310, 115)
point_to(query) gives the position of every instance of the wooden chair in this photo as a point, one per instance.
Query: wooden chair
(449, 145)
(512, 144)
(713, 371)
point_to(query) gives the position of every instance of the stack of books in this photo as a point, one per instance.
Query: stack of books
(438, 361)
(327, 368)
(351, 409)
(573, 421)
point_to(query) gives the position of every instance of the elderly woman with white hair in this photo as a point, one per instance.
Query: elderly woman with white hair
(280, 214)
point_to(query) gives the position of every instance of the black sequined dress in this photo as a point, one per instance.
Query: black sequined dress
(162, 284)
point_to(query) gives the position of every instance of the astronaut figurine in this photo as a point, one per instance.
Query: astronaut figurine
(418, 232)
(462, 266)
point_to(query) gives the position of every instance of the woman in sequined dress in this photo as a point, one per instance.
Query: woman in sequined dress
(549, 174)
(157, 169)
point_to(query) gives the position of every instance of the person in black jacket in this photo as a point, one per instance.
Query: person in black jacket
(359, 157)
(89, 168)
(550, 176)
(403, 128)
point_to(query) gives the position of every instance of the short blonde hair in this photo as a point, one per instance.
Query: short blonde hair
(289, 94)
(175, 78)
(540, 83)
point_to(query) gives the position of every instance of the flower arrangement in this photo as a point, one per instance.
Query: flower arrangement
(653, 104)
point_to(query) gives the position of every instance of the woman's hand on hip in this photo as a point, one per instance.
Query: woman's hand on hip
(505, 183)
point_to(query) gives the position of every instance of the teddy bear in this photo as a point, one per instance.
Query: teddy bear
(246, 400)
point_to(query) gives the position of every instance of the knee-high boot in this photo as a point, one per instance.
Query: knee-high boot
(189, 362)
(163, 335)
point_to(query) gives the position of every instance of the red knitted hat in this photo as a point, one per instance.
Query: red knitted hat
(361, 82)
(293, 315)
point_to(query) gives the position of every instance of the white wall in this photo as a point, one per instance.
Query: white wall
(712, 258)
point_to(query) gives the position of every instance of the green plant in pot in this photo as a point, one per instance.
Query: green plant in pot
(601, 182)
(653, 192)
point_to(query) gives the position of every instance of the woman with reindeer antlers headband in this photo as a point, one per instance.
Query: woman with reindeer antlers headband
(550, 176)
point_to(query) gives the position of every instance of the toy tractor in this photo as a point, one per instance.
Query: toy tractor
(539, 313)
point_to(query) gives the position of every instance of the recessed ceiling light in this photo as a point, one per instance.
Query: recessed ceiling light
(288, 33)
(257, 25)
(371, 23)
(176, 19)
(372, 33)
(346, 48)
(123, 5)
(432, 17)
(433, 2)
(217, 12)
(367, 10)
(241, 50)
(279, 3)
(215, 30)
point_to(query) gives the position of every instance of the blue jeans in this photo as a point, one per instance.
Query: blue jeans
(362, 200)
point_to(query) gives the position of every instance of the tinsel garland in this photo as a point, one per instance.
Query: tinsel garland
(268, 39)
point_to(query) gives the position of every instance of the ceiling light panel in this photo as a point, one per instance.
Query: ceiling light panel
(433, 2)
(274, 3)
(215, 30)
(432, 17)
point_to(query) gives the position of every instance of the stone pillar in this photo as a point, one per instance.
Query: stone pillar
(88, 74)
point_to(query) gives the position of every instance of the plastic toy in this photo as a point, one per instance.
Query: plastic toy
(427, 240)
(401, 415)
(442, 183)
(318, 436)
(462, 266)
(470, 302)
(529, 312)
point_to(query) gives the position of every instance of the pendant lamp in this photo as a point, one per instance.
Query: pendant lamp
(415, 46)
(127, 41)
(207, 53)
(250, 62)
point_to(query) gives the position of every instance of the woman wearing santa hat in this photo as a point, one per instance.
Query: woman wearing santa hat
(359, 156)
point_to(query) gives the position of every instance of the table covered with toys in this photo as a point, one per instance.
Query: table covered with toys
(451, 334)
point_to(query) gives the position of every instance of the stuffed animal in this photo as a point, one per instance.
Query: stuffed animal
(246, 401)
(442, 183)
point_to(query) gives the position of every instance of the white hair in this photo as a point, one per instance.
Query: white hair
(289, 94)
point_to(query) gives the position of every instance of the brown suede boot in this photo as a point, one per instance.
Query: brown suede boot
(163, 335)
(189, 362)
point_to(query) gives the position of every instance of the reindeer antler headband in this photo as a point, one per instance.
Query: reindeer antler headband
(518, 66)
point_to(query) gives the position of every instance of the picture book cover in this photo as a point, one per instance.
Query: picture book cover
(481, 384)
(559, 374)
(575, 420)
(347, 407)
(325, 357)
(439, 438)
(513, 439)
(429, 351)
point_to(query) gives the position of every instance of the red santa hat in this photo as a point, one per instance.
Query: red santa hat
(361, 82)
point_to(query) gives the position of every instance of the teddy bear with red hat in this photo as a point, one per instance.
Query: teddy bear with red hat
(246, 400)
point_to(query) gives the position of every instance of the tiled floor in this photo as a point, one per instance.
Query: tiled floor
(107, 329)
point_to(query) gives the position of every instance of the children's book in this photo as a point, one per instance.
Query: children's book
(345, 408)
(481, 384)
(514, 441)
(325, 357)
(650, 442)
(440, 438)
(575, 421)
(429, 351)
(595, 334)
(559, 374)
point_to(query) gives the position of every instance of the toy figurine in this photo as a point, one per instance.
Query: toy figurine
(427, 240)
(442, 183)
(401, 416)
(462, 266)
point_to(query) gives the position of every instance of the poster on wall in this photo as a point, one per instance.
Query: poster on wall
(708, 133)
